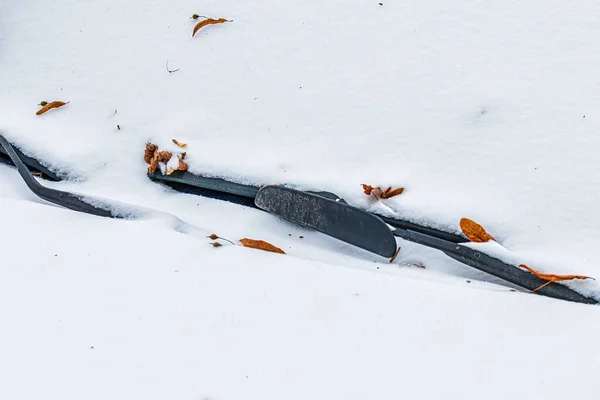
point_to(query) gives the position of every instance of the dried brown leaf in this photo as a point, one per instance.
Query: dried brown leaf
(552, 277)
(164, 156)
(475, 232)
(149, 152)
(182, 166)
(178, 143)
(208, 21)
(391, 193)
(378, 193)
(216, 244)
(159, 156)
(153, 163)
(48, 106)
(261, 245)
(368, 189)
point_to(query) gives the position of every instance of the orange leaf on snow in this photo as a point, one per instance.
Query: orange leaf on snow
(261, 245)
(368, 189)
(553, 277)
(208, 21)
(178, 143)
(474, 231)
(149, 152)
(383, 194)
(153, 156)
(48, 106)
(159, 156)
(181, 166)
(391, 193)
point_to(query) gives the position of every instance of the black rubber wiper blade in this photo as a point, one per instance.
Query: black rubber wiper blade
(65, 199)
(446, 242)
(216, 184)
(402, 224)
(187, 182)
(337, 219)
(495, 267)
(31, 163)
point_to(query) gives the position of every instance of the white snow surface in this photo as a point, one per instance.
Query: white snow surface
(485, 110)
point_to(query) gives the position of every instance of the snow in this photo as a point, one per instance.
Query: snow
(483, 110)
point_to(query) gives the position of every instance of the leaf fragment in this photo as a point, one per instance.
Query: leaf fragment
(159, 156)
(475, 232)
(149, 152)
(387, 194)
(261, 245)
(180, 144)
(181, 166)
(216, 244)
(153, 156)
(552, 277)
(208, 21)
(378, 193)
(368, 189)
(49, 106)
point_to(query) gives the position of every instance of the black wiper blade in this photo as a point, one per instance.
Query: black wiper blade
(222, 189)
(402, 224)
(216, 184)
(31, 163)
(446, 242)
(495, 267)
(65, 199)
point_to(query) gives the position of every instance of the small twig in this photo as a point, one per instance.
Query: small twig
(170, 70)
(214, 236)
